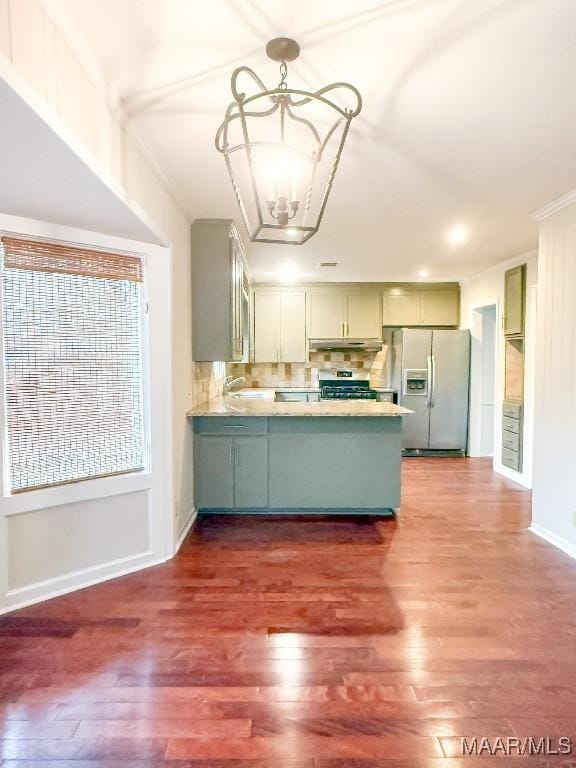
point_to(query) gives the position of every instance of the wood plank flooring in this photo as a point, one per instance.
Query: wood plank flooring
(309, 643)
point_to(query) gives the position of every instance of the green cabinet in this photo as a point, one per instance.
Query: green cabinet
(279, 325)
(250, 472)
(512, 423)
(401, 307)
(342, 311)
(335, 463)
(214, 463)
(433, 306)
(297, 464)
(514, 300)
(230, 472)
(220, 292)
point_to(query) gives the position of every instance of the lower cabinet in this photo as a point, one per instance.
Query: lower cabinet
(335, 463)
(298, 464)
(512, 418)
(251, 472)
(231, 472)
(214, 472)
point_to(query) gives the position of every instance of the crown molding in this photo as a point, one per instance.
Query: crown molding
(562, 202)
(513, 261)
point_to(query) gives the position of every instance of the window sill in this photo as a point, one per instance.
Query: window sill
(72, 493)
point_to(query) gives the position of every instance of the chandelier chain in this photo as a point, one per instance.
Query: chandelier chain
(283, 74)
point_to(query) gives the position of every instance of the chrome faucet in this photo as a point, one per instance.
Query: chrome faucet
(230, 381)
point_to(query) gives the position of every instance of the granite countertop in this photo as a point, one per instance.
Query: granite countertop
(267, 406)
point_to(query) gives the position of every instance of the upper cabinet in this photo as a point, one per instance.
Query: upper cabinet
(285, 318)
(220, 293)
(326, 313)
(343, 312)
(435, 306)
(401, 307)
(279, 325)
(440, 306)
(363, 315)
(514, 300)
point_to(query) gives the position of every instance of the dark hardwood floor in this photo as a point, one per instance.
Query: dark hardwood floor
(309, 643)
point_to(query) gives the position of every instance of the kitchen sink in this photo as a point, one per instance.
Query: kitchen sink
(250, 395)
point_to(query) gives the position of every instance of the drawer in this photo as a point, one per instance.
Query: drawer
(511, 441)
(512, 410)
(231, 425)
(511, 459)
(291, 397)
(511, 425)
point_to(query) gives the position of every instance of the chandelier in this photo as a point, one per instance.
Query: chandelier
(282, 148)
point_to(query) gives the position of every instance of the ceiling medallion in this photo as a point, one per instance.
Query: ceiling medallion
(282, 148)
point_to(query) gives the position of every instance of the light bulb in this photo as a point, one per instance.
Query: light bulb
(288, 273)
(281, 173)
(458, 235)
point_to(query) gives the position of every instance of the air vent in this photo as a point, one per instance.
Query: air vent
(327, 263)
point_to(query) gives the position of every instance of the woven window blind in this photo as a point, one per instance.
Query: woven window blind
(72, 363)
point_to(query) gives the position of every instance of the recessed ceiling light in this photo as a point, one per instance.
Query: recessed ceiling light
(291, 232)
(458, 235)
(288, 273)
(423, 273)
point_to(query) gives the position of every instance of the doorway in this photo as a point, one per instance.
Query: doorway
(483, 381)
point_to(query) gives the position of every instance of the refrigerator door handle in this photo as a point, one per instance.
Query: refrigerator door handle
(429, 378)
(433, 392)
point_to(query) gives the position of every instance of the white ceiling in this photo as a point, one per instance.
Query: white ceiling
(469, 116)
(34, 157)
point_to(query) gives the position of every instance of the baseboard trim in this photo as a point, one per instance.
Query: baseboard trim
(516, 477)
(552, 538)
(71, 582)
(186, 529)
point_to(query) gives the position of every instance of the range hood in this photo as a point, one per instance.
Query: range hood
(339, 345)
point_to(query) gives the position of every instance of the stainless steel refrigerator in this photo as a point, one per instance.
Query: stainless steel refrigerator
(431, 373)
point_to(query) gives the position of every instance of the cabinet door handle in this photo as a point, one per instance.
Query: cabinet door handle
(233, 426)
(231, 453)
(236, 454)
(341, 329)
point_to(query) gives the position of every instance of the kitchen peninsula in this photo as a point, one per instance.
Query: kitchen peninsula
(253, 454)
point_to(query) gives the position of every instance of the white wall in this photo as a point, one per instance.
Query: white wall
(44, 59)
(481, 291)
(56, 539)
(554, 497)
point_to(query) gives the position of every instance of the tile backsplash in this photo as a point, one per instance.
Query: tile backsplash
(307, 374)
(207, 381)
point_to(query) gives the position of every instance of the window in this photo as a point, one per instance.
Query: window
(71, 335)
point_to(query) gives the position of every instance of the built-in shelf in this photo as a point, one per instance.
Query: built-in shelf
(514, 369)
(513, 327)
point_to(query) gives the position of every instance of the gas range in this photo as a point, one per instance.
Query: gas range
(346, 384)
